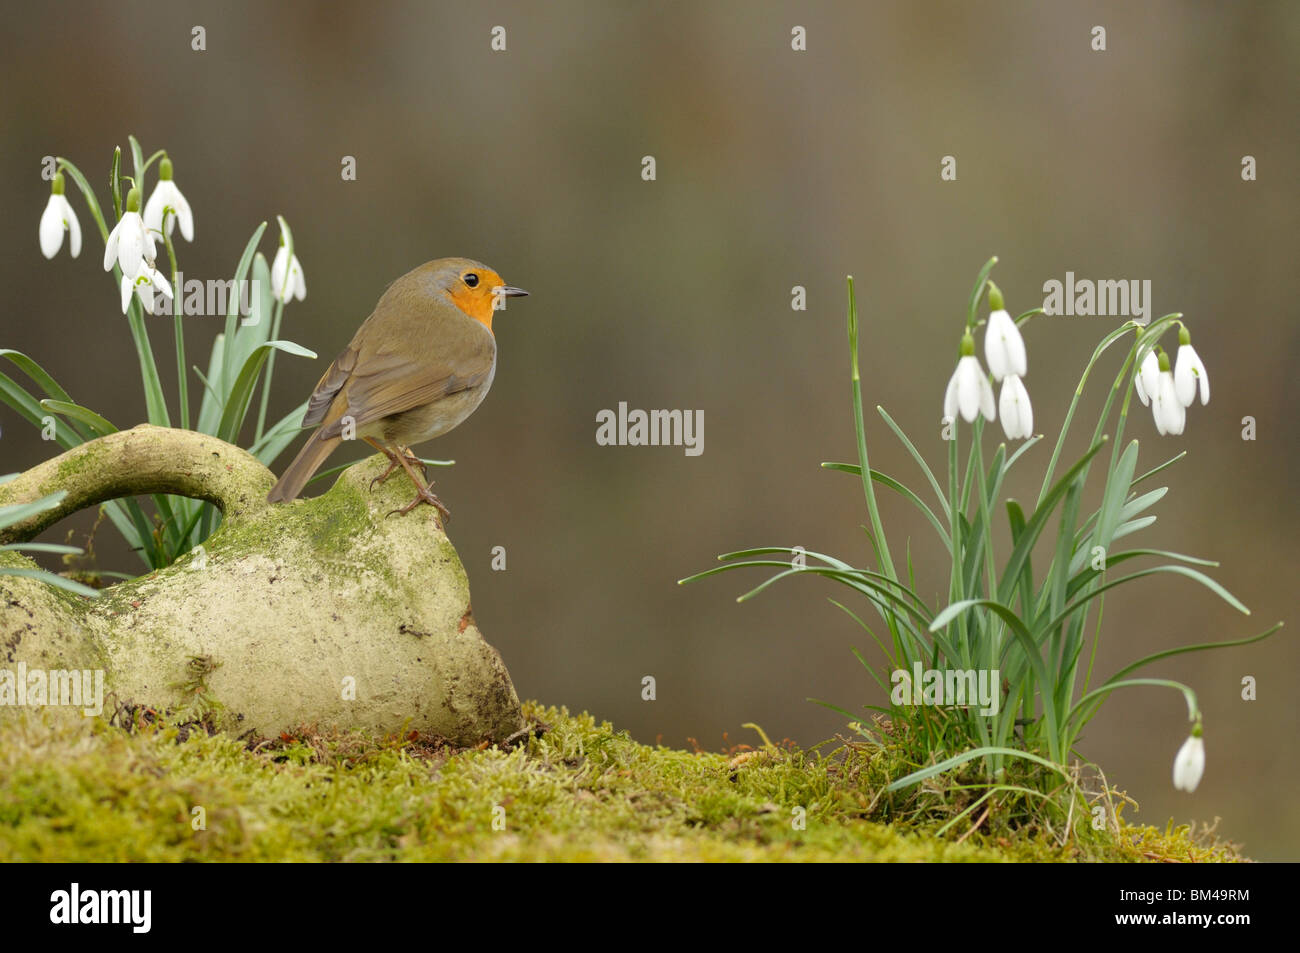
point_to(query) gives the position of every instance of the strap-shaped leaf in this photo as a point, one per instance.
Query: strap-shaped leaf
(241, 392)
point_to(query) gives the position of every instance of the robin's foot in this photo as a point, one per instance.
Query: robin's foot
(411, 458)
(425, 495)
(392, 465)
(394, 462)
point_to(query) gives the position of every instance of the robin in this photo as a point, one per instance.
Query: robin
(419, 365)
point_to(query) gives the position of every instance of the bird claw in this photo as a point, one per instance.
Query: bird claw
(385, 475)
(394, 463)
(424, 496)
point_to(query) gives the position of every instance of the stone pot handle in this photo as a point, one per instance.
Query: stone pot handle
(139, 462)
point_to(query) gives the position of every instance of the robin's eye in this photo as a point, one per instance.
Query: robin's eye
(471, 279)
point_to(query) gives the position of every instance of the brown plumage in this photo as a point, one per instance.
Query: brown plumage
(419, 365)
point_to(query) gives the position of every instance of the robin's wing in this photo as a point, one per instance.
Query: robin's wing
(383, 383)
(328, 386)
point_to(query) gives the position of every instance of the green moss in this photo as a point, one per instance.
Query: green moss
(86, 791)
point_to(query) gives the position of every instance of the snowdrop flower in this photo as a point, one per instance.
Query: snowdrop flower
(969, 390)
(58, 217)
(1189, 371)
(143, 286)
(295, 286)
(1170, 415)
(1189, 764)
(1004, 348)
(166, 195)
(130, 244)
(1013, 406)
(1147, 381)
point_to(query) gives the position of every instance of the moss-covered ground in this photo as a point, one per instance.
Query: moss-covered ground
(578, 790)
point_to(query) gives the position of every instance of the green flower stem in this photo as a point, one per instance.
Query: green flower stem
(152, 159)
(878, 530)
(155, 403)
(1106, 342)
(182, 366)
(270, 370)
(92, 202)
(1193, 712)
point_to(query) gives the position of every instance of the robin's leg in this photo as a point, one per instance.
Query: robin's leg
(415, 461)
(393, 463)
(423, 493)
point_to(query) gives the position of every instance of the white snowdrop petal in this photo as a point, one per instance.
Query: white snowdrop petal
(968, 388)
(987, 406)
(51, 230)
(110, 246)
(1189, 764)
(1014, 409)
(184, 216)
(153, 209)
(950, 397)
(74, 228)
(1169, 411)
(1148, 378)
(278, 267)
(1004, 348)
(160, 282)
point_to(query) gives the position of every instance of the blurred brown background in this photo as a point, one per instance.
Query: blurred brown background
(775, 168)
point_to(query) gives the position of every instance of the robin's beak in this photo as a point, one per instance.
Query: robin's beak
(507, 291)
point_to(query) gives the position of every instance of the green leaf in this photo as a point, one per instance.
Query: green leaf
(154, 399)
(232, 311)
(257, 330)
(283, 433)
(52, 579)
(920, 460)
(16, 513)
(241, 391)
(37, 373)
(1020, 553)
(957, 760)
(334, 470)
(213, 402)
(42, 548)
(1168, 463)
(29, 408)
(1016, 519)
(1114, 495)
(1031, 654)
(115, 182)
(1127, 524)
(901, 489)
(97, 424)
(1088, 574)
(137, 163)
(1184, 649)
(1193, 574)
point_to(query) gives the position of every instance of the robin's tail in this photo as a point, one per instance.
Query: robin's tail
(308, 461)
